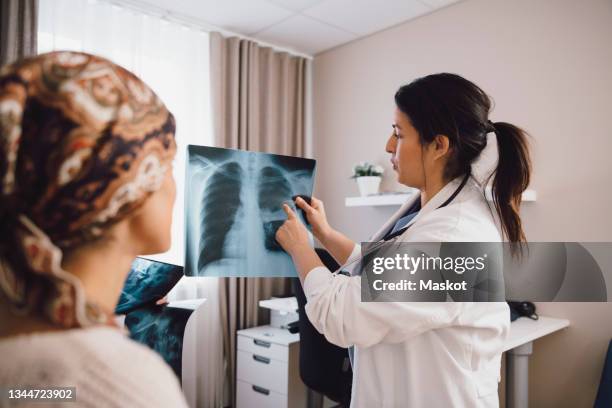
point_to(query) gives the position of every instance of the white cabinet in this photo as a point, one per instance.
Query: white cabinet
(267, 371)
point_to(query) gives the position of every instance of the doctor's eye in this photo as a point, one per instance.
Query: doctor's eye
(395, 131)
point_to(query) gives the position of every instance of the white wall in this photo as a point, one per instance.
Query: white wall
(548, 66)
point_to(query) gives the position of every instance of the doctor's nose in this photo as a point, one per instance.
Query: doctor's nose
(391, 143)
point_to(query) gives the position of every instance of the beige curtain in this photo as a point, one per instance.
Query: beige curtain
(18, 29)
(258, 104)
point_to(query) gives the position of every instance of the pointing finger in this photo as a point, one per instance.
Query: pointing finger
(289, 212)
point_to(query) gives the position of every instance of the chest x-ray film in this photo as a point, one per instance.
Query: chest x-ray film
(233, 205)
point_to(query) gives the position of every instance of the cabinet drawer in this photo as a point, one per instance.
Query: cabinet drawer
(263, 371)
(253, 396)
(263, 348)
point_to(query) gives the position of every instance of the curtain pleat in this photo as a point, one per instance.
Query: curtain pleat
(18, 29)
(258, 104)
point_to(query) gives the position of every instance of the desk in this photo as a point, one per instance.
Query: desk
(519, 346)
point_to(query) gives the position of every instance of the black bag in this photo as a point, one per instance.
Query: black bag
(522, 309)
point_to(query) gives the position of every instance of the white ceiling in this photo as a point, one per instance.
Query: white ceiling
(305, 26)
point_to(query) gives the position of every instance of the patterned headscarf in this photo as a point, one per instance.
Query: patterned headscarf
(83, 143)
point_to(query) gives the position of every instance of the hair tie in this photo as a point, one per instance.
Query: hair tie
(490, 127)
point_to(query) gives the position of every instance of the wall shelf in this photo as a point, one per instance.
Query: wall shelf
(378, 200)
(397, 199)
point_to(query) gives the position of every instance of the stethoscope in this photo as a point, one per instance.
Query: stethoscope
(399, 232)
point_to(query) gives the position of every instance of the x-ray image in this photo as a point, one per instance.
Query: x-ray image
(158, 326)
(147, 282)
(233, 206)
(161, 328)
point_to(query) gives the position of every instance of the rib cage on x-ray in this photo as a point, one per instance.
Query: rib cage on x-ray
(219, 211)
(234, 208)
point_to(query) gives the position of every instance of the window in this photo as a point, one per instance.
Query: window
(171, 58)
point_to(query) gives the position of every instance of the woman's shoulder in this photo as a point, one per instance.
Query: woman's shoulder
(101, 362)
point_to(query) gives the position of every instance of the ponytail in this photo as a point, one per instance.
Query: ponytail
(510, 179)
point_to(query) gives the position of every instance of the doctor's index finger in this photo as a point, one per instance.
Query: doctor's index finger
(289, 212)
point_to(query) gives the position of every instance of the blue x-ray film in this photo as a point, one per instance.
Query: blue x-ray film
(162, 328)
(147, 282)
(233, 208)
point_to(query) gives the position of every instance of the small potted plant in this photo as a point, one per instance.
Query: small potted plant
(368, 177)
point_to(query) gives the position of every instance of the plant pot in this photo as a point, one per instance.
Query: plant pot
(368, 185)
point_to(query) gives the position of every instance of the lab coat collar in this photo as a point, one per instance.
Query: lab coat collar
(396, 216)
(430, 206)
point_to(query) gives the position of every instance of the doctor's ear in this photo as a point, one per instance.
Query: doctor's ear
(440, 146)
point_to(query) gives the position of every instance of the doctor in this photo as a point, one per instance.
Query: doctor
(423, 354)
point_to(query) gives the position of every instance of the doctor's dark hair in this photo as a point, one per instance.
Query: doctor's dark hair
(447, 104)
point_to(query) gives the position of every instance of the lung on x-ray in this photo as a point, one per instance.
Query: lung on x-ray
(233, 206)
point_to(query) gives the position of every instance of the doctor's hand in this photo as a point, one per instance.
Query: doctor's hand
(315, 213)
(292, 235)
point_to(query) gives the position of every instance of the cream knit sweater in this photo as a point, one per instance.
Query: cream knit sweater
(106, 367)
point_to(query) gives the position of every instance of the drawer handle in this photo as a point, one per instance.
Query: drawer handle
(262, 343)
(261, 390)
(261, 359)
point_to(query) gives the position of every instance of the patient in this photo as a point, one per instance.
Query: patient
(86, 184)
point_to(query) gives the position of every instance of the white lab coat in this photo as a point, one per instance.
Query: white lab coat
(418, 354)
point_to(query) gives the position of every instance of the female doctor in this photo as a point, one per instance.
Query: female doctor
(409, 354)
